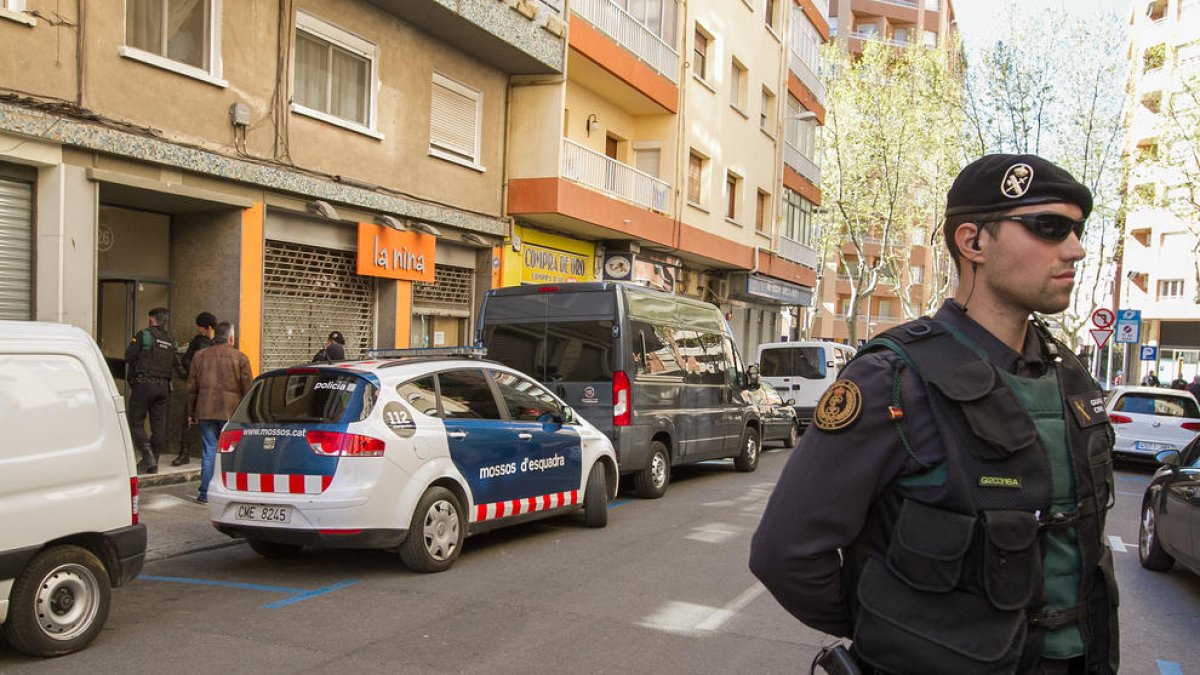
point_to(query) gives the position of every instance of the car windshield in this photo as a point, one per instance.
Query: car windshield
(306, 395)
(1163, 405)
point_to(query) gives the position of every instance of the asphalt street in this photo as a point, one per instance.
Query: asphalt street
(663, 589)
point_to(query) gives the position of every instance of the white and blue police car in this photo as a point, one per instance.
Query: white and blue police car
(403, 452)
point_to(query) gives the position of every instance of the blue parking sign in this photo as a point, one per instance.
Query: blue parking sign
(1149, 353)
(1129, 326)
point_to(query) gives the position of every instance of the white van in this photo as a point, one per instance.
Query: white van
(69, 528)
(802, 370)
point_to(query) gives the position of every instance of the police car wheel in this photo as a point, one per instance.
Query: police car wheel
(436, 534)
(59, 602)
(1150, 552)
(651, 482)
(748, 460)
(595, 499)
(270, 549)
(793, 438)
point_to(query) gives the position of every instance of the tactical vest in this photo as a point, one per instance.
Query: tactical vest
(950, 577)
(156, 356)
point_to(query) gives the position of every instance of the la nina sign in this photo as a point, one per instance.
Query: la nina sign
(393, 254)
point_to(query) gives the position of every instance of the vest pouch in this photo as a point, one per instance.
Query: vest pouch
(1099, 448)
(900, 629)
(928, 546)
(993, 412)
(1012, 559)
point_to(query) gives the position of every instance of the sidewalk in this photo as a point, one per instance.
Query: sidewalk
(175, 523)
(169, 475)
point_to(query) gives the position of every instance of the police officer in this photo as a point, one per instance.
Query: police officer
(150, 357)
(334, 349)
(206, 324)
(946, 508)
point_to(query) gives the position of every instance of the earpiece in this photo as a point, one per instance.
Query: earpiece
(975, 244)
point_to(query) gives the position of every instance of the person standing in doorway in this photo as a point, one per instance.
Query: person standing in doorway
(150, 358)
(220, 377)
(946, 508)
(334, 349)
(205, 326)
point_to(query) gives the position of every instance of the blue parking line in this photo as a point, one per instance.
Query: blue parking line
(617, 502)
(1133, 479)
(295, 594)
(1168, 667)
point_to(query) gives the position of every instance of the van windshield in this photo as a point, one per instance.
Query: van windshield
(555, 351)
(806, 362)
(306, 395)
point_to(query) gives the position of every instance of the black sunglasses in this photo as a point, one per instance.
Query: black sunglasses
(1052, 226)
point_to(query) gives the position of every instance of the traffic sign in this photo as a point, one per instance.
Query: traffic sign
(1149, 353)
(1129, 325)
(1104, 317)
(1101, 335)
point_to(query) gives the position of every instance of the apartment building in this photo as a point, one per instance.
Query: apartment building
(677, 153)
(1158, 264)
(295, 166)
(926, 24)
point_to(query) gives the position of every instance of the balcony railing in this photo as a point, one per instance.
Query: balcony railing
(863, 35)
(630, 34)
(903, 3)
(803, 165)
(806, 75)
(586, 166)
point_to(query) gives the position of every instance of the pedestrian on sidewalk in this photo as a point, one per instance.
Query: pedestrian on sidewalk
(1194, 387)
(150, 358)
(188, 436)
(220, 376)
(946, 508)
(334, 349)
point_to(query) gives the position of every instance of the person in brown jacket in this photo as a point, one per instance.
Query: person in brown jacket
(219, 377)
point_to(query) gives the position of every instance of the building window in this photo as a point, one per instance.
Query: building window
(695, 175)
(916, 274)
(797, 222)
(902, 34)
(805, 42)
(933, 5)
(732, 187)
(798, 132)
(930, 38)
(334, 74)
(766, 114)
(769, 13)
(869, 29)
(179, 35)
(454, 122)
(1170, 289)
(737, 85)
(700, 55)
(762, 204)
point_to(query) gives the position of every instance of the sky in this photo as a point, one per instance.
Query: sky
(979, 21)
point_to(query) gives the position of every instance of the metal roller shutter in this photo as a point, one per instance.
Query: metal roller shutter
(451, 289)
(16, 250)
(308, 292)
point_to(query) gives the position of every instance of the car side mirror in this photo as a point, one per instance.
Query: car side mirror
(548, 418)
(568, 415)
(1168, 457)
(790, 402)
(752, 376)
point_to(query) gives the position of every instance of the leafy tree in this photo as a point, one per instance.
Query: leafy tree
(1179, 134)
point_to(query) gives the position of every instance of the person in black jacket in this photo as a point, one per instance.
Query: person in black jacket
(151, 359)
(334, 349)
(206, 322)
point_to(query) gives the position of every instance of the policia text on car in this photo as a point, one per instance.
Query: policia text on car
(960, 465)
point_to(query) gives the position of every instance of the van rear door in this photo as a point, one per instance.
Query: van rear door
(792, 368)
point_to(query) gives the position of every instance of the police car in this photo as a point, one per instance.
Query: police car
(403, 452)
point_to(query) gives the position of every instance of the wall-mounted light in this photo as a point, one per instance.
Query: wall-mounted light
(418, 226)
(805, 116)
(390, 221)
(593, 123)
(323, 209)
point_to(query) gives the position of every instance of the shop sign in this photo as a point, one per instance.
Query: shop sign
(758, 287)
(392, 254)
(541, 265)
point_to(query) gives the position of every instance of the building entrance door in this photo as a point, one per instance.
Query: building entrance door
(122, 310)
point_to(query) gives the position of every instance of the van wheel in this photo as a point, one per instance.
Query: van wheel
(271, 549)
(651, 481)
(436, 533)
(595, 499)
(1150, 552)
(748, 460)
(58, 603)
(793, 438)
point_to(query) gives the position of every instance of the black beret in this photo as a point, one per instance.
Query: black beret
(1003, 182)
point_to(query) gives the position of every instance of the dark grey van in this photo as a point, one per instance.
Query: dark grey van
(659, 374)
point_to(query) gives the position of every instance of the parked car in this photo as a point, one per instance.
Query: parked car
(802, 370)
(69, 530)
(1148, 420)
(778, 417)
(403, 452)
(1170, 523)
(659, 374)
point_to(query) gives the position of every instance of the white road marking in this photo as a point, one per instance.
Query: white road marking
(719, 617)
(686, 618)
(1116, 544)
(713, 533)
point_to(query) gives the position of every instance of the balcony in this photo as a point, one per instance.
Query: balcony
(903, 3)
(875, 37)
(588, 167)
(803, 165)
(628, 32)
(806, 75)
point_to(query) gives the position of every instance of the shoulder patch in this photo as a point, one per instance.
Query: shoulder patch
(839, 406)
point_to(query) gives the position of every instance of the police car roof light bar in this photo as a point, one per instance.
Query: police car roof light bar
(418, 352)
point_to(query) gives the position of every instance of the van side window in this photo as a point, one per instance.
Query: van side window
(712, 365)
(467, 395)
(654, 351)
(421, 395)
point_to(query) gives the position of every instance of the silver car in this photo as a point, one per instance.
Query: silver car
(1149, 420)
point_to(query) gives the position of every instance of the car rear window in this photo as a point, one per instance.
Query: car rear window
(792, 362)
(558, 351)
(1164, 405)
(307, 395)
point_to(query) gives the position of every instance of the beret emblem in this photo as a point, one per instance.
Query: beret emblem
(1017, 180)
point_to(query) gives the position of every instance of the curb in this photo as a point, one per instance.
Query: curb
(168, 478)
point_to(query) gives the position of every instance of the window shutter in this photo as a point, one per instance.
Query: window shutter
(16, 250)
(453, 122)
